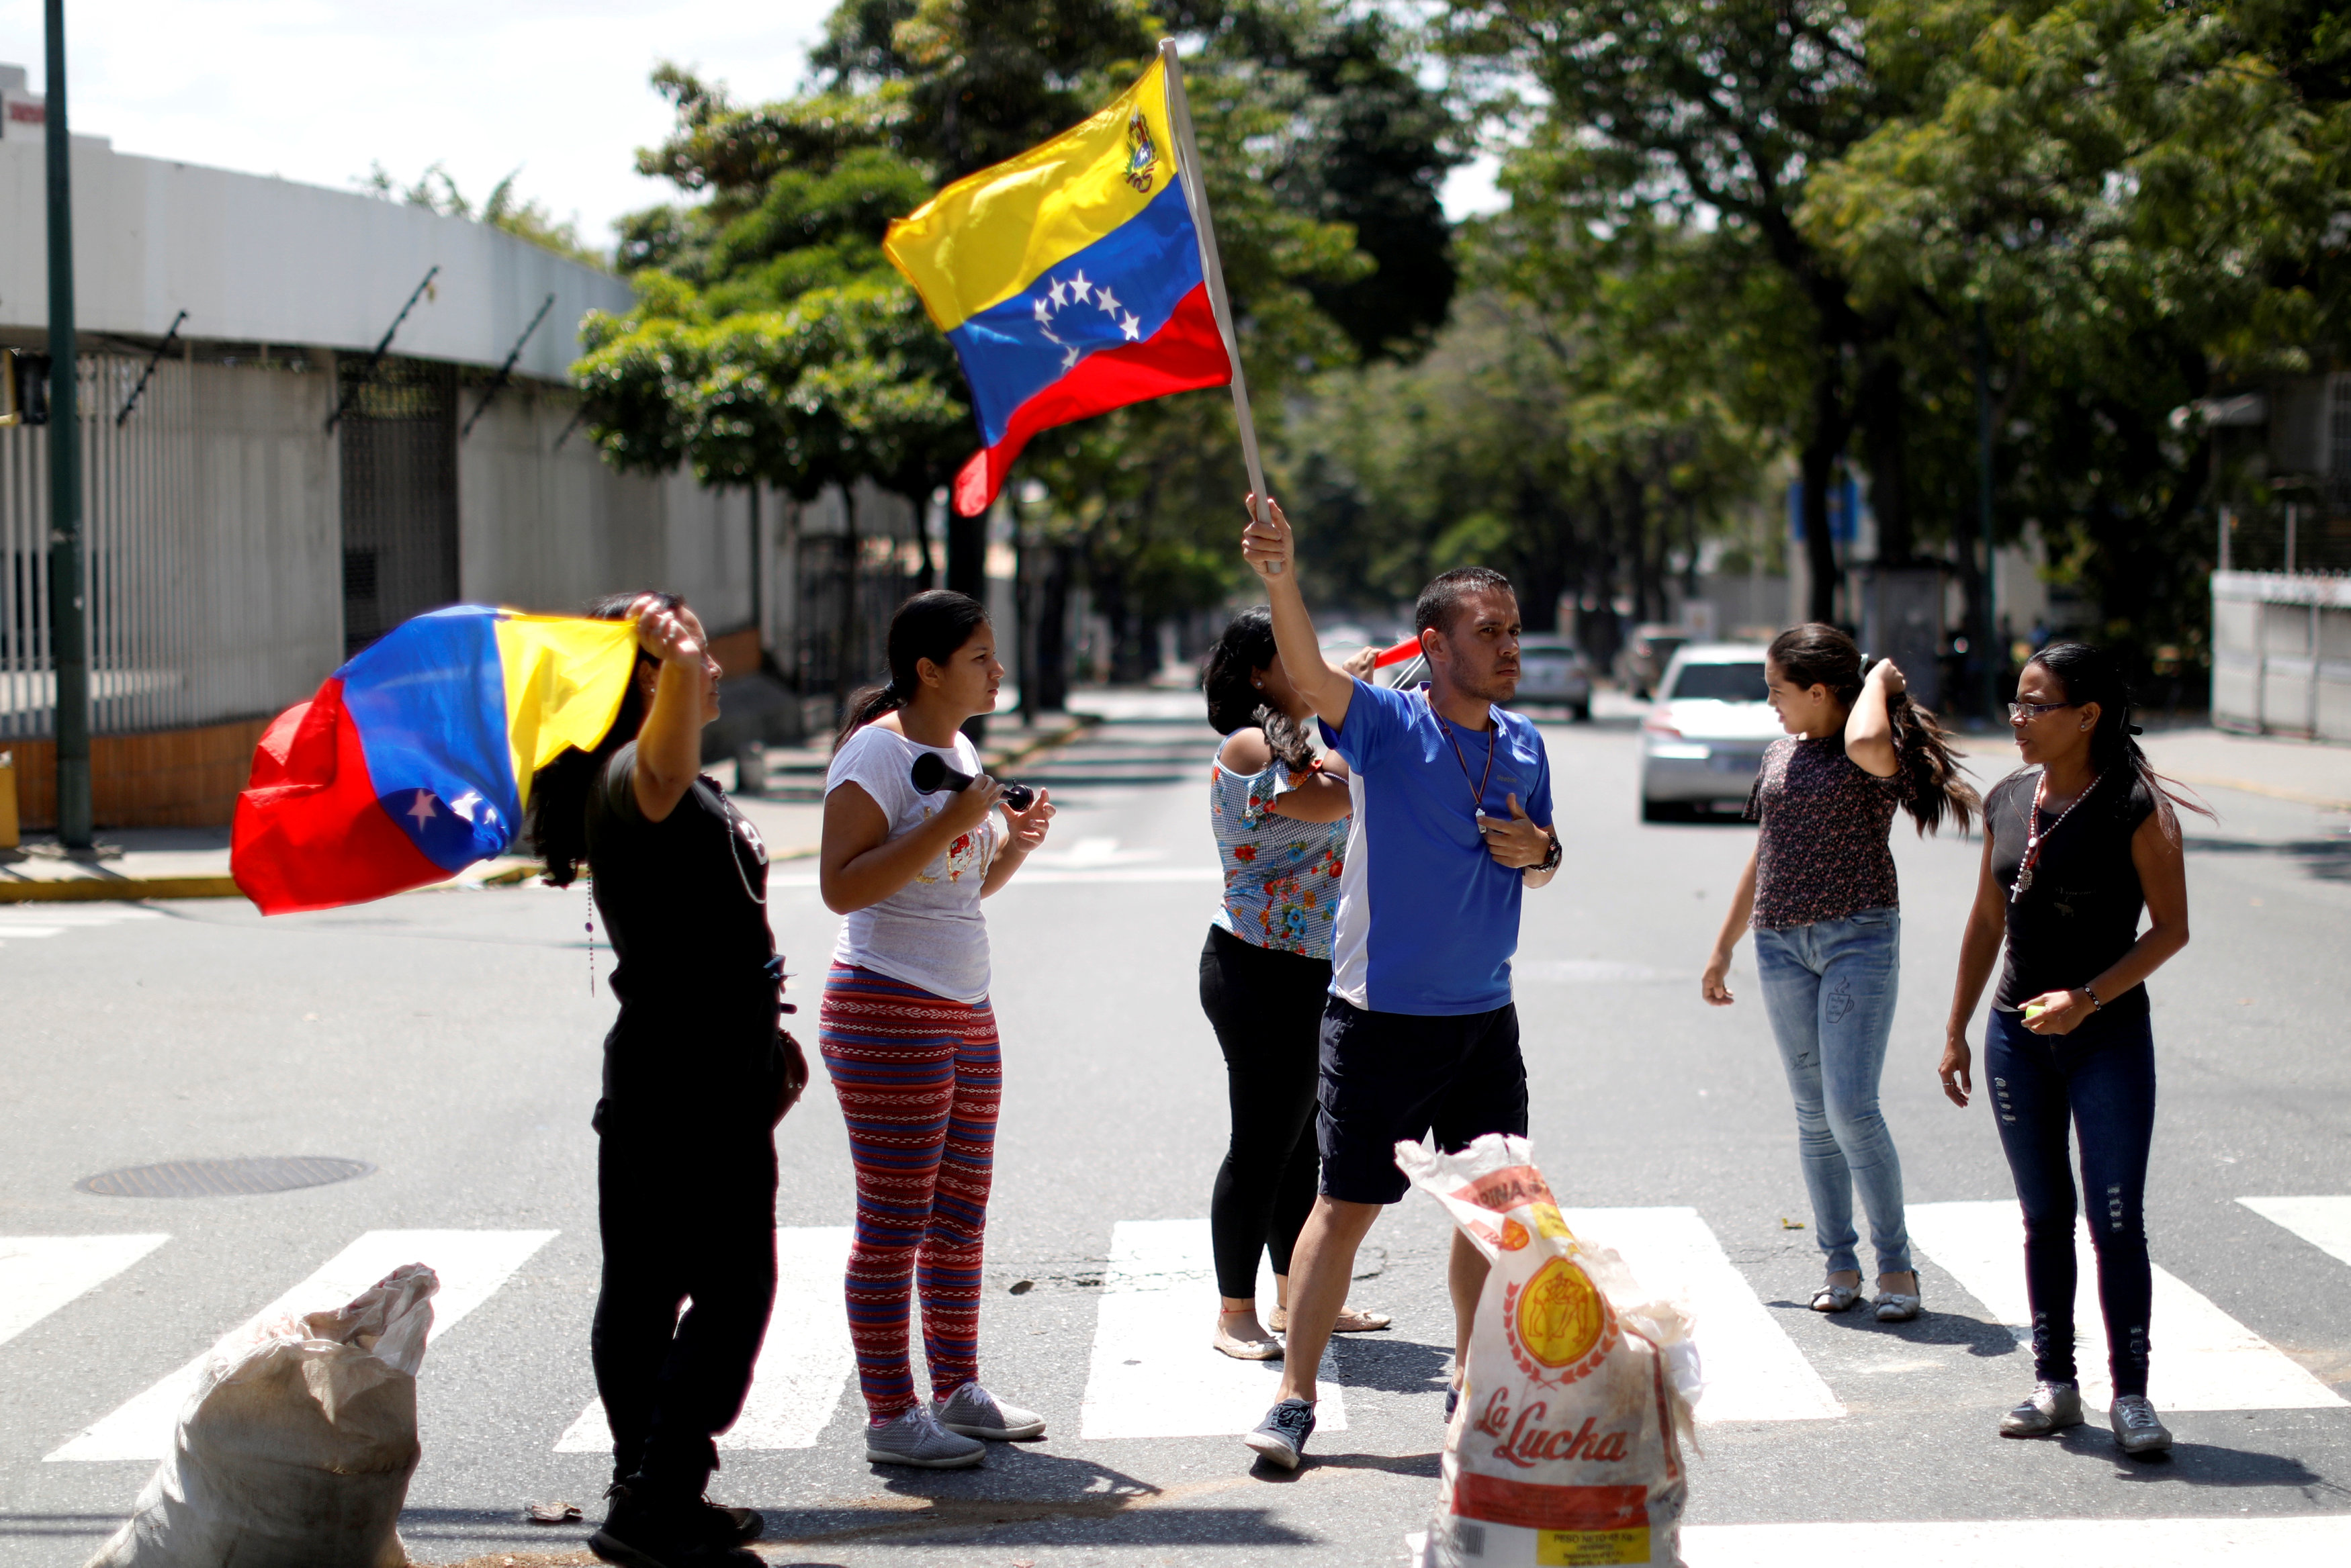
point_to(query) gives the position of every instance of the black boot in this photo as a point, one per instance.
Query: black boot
(646, 1530)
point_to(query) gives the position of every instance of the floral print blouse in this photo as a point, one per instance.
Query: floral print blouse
(1281, 876)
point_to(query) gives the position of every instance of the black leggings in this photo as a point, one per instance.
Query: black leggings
(1265, 1007)
(685, 1214)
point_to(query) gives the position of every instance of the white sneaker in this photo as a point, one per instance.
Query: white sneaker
(916, 1438)
(974, 1412)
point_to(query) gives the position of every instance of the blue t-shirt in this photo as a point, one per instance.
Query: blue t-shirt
(1428, 921)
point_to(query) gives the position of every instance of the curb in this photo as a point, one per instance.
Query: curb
(1078, 726)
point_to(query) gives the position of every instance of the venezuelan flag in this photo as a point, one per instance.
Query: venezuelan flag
(1069, 280)
(414, 759)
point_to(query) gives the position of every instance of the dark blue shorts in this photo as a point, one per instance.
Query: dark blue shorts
(1388, 1076)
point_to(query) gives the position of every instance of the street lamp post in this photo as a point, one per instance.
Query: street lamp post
(68, 615)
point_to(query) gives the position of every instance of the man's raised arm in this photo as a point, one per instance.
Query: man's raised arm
(1272, 549)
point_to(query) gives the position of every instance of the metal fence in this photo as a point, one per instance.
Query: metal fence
(138, 528)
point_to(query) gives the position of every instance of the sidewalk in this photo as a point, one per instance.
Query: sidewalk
(192, 862)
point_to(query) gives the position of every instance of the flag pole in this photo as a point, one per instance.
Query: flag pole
(1187, 161)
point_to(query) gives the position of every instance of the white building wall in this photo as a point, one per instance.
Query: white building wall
(266, 260)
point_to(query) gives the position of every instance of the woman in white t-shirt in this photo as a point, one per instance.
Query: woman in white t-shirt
(906, 1030)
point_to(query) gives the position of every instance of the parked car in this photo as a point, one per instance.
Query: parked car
(1551, 670)
(1641, 663)
(1704, 739)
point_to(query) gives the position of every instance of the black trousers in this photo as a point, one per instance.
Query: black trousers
(688, 1214)
(1265, 1007)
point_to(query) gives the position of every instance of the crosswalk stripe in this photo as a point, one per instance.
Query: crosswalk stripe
(473, 1265)
(804, 1363)
(2203, 1359)
(1152, 1374)
(1753, 1370)
(2324, 1222)
(38, 1274)
(2227, 1542)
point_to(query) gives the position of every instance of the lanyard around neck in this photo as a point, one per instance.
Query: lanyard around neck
(1493, 727)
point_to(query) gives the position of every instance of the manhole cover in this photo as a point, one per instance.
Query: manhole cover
(222, 1177)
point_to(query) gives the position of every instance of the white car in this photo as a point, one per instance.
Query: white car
(1705, 736)
(1552, 670)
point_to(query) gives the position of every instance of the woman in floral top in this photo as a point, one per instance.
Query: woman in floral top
(1279, 815)
(1820, 891)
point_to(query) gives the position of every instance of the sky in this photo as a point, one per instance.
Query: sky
(320, 90)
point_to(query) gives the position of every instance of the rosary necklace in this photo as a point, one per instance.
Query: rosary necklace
(2037, 834)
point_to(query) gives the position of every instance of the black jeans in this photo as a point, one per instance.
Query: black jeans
(2106, 1090)
(686, 1212)
(1265, 1007)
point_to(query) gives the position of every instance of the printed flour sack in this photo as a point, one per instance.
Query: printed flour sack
(1566, 1447)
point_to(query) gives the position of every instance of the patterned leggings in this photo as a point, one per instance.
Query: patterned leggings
(918, 1077)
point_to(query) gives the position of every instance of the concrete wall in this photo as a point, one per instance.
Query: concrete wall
(2281, 653)
(265, 260)
(548, 527)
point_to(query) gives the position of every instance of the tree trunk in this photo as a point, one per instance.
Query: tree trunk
(1818, 466)
(967, 554)
(1882, 423)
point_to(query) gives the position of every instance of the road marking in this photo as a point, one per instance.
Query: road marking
(1152, 1374)
(804, 1363)
(38, 1274)
(2203, 1359)
(2324, 1222)
(2142, 1542)
(51, 919)
(473, 1265)
(1753, 1370)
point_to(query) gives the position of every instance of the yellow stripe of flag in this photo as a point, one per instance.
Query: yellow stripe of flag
(988, 235)
(565, 677)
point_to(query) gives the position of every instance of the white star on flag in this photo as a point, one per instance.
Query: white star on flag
(1061, 293)
(1080, 288)
(1044, 311)
(1108, 302)
(464, 803)
(1069, 359)
(1131, 326)
(423, 809)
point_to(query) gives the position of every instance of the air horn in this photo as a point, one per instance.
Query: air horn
(933, 774)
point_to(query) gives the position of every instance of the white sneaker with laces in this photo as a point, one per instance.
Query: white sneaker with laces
(974, 1412)
(916, 1438)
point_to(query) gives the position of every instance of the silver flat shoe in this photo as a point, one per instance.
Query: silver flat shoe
(1892, 1306)
(1266, 1349)
(1835, 1298)
(2137, 1428)
(972, 1411)
(2050, 1408)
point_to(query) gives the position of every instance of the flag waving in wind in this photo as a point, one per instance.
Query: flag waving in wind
(1070, 279)
(414, 760)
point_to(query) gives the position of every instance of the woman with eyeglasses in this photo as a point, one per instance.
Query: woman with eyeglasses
(2077, 843)
(1820, 891)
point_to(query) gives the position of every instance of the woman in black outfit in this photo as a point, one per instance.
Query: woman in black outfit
(2077, 842)
(696, 1075)
(1280, 816)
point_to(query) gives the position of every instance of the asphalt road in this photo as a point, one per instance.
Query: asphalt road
(451, 1040)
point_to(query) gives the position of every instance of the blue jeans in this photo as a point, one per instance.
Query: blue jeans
(2105, 1091)
(1829, 989)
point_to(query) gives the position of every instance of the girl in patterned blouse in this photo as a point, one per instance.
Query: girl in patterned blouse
(1820, 890)
(1279, 815)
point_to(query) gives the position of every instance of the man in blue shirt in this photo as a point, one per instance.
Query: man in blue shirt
(1451, 821)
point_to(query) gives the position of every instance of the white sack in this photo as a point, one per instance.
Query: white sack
(1566, 1447)
(296, 1449)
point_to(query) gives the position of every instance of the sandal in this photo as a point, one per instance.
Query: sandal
(1351, 1321)
(1835, 1298)
(1267, 1349)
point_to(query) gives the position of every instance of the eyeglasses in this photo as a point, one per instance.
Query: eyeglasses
(2020, 712)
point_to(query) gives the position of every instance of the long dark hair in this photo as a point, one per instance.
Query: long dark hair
(557, 822)
(931, 625)
(1817, 655)
(1228, 676)
(2088, 674)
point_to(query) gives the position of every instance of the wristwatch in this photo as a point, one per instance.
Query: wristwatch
(1552, 856)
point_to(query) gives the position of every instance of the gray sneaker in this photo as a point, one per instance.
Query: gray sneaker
(2137, 1428)
(2050, 1407)
(916, 1438)
(974, 1412)
(1281, 1437)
